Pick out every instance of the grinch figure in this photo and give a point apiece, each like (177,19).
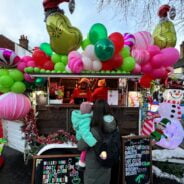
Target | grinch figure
(159,130)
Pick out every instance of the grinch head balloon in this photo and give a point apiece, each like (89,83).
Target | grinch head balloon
(63,37)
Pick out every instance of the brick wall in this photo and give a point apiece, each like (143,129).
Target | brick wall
(6,43)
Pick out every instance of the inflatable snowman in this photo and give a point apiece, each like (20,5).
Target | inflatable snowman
(168,132)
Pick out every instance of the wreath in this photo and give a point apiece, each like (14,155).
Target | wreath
(32,134)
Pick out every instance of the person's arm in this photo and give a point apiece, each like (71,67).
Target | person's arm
(87,136)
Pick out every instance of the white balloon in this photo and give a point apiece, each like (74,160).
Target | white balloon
(87,63)
(68,69)
(90,52)
(97,65)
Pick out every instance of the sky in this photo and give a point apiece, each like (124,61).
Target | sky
(26,17)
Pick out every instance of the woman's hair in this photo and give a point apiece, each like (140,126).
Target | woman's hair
(101,108)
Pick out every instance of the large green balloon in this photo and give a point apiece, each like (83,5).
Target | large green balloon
(6,81)
(56,58)
(46,48)
(125,52)
(3,72)
(97,32)
(128,64)
(104,49)
(18,87)
(4,90)
(85,43)
(16,75)
(64,59)
(59,67)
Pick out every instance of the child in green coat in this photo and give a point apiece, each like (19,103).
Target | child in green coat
(81,120)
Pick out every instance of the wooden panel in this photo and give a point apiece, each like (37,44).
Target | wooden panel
(52,118)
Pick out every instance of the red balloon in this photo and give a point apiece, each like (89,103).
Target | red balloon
(113,63)
(48,65)
(39,57)
(145,81)
(118,41)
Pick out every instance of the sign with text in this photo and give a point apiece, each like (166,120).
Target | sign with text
(136,160)
(56,169)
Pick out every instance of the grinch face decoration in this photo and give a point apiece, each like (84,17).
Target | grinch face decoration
(63,37)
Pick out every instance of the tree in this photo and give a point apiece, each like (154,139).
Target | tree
(145,11)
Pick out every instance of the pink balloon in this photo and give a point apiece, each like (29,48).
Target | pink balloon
(153,50)
(26,59)
(157,60)
(170,69)
(146,69)
(31,63)
(137,69)
(159,73)
(14,106)
(75,62)
(141,56)
(142,40)
(171,56)
(21,66)
(28,78)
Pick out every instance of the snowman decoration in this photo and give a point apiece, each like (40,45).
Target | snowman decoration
(168,132)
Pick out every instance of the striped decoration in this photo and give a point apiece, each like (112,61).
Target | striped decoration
(148,125)
(142,40)
(8,58)
(14,106)
(129,40)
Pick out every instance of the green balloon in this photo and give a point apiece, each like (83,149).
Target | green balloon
(128,64)
(18,87)
(6,81)
(56,58)
(3,89)
(29,70)
(125,52)
(3,72)
(85,43)
(64,59)
(42,71)
(46,48)
(37,70)
(59,67)
(16,75)
(40,81)
(97,32)
(104,49)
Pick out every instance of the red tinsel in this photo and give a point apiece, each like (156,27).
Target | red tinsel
(31,132)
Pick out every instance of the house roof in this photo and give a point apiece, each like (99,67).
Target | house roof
(180,63)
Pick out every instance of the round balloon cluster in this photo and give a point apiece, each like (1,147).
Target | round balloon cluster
(11,80)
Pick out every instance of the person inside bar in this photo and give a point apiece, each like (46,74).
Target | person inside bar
(82,92)
(101,91)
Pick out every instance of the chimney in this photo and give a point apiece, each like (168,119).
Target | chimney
(182,50)
(23,41)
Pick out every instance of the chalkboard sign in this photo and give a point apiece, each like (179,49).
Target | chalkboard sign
(56,169)
(136,160)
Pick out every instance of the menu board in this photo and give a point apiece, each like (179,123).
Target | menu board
(136,160)
(56,169)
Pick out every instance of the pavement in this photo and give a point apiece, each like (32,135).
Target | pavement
(16,172)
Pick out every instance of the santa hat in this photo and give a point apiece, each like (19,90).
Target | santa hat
(84,80)
(163,10)
(101,83)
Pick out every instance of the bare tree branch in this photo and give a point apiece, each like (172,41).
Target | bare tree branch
(145,11)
